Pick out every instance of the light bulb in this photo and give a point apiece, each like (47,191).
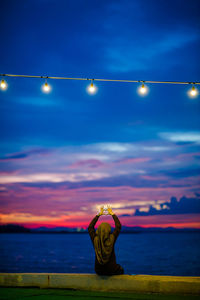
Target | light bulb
(3,84)
(193,92)
(46,87)
(143,90)
(92,88)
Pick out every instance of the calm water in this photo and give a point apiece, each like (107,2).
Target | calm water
(144,253)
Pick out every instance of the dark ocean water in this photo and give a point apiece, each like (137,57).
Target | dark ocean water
(142,253)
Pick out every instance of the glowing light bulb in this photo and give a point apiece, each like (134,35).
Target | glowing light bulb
(143,90)
(193,92)
(46,87)
(92,89)
(3,84)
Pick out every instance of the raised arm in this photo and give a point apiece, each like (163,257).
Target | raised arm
(91,229)
(118,226)
(117,223)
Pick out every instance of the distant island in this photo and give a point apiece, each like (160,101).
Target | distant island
(13,228)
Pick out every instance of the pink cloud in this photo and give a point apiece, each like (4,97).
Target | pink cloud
(91,163)
(154,177)
(178,221)
(188,155)
(79,204)
(133,160)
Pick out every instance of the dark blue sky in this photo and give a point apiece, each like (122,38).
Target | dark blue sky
(114,138)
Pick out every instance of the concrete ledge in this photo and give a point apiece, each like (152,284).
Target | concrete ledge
(92,282)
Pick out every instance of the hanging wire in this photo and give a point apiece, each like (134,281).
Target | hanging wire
(102,79)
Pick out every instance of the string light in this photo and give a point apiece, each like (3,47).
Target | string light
(46,87)
(143,90)
(193,92)
(3,85)
(92,89)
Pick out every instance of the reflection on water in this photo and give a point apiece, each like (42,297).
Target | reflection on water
(145,253)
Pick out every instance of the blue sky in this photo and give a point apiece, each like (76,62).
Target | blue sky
(115,146)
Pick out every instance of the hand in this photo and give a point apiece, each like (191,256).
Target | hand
(101,211)
(110,210)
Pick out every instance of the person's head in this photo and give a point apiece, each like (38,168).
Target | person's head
(103,243)
(104,230)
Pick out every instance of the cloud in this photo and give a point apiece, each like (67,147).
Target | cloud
(114,147)
(133,160)
(182,173)
(52,177)
(135,54)
(14,156)
(24,217)
(69,199)
(156,148)
(190,136)
(101,164)
(25,154)
(128,49)
(183,206)
(91,163)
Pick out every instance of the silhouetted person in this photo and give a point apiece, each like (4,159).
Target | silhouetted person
(103,241)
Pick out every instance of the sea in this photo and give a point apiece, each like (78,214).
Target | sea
(168,253)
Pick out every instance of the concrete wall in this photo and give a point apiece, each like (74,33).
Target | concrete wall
(92,282)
